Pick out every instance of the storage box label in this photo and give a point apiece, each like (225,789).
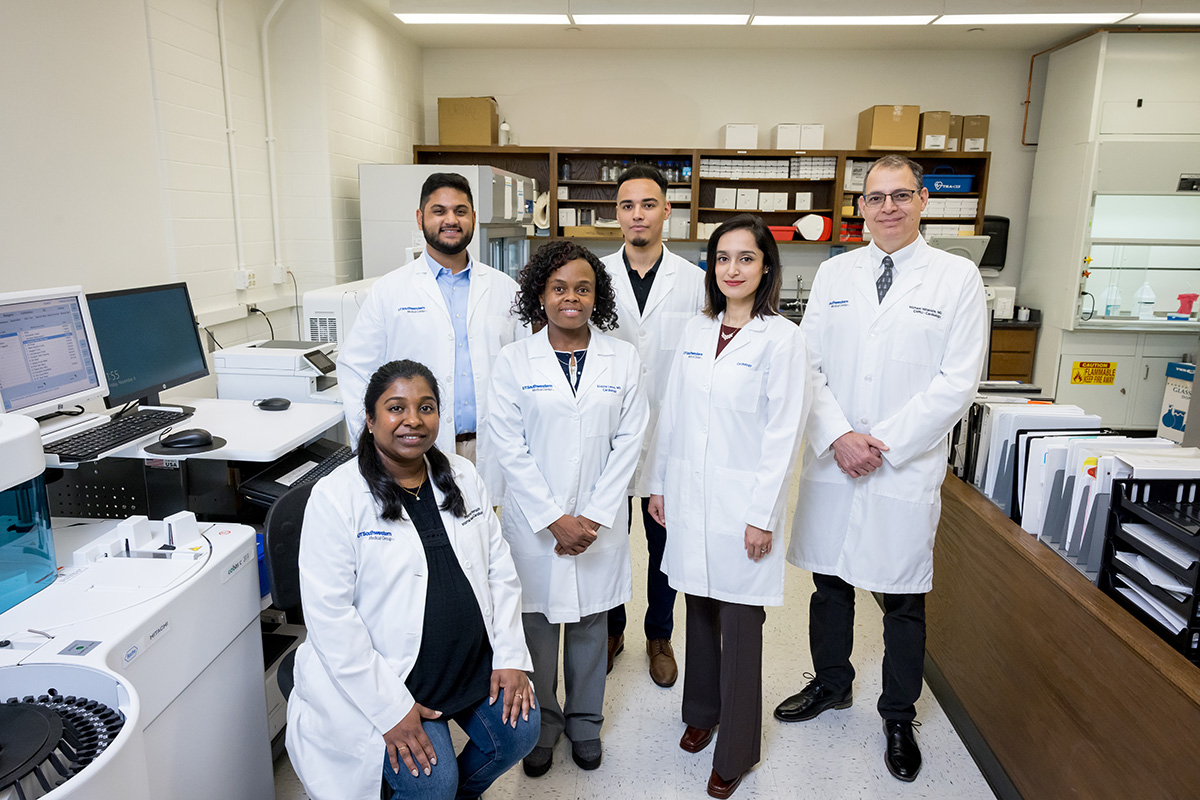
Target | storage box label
(1094,373)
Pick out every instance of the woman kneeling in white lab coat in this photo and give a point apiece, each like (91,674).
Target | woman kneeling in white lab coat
(412,605)
(567,414)
(723,452)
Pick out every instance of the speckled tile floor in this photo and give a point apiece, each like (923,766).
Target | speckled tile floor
(837,755)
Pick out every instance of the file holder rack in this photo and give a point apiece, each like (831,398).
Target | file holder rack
(1172,508)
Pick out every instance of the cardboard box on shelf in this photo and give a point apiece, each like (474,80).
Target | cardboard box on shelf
(739,136)
(568,216)
(803,201)
(812,136)
(975,133)
(935,130)
(468,120)
(725,197)
(1176,400)
(592,232)
(785,136)
(888,128)
(747,199)
(954,138)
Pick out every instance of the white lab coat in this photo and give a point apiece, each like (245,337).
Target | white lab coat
(566,454)
(724,453)
(676,296)
(363,584)
(405,316)
(904,371)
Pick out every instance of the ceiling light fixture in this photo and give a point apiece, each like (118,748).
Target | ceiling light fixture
(660,19)
(922,19)
(483,19)
(1029,19)
(1163,19)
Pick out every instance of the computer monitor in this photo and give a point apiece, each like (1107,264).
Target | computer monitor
(148,341)
(49,359)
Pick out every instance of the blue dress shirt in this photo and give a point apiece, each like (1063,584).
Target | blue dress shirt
(456,289)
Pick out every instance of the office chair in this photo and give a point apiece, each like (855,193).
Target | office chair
(281,539)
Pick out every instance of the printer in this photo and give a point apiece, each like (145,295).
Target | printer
(303,372)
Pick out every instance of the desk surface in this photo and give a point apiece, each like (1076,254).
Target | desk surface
(251,434)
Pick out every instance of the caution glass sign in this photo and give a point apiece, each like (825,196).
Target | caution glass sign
(1094,373)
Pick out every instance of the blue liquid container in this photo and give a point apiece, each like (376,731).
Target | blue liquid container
(27,562)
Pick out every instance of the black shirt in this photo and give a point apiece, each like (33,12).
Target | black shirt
(642,286)
(453,670)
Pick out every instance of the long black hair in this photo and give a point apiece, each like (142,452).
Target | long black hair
(766,296)
(536,274)
(383,486)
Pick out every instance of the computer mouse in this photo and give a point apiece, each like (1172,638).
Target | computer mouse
(273,404)
(192,437)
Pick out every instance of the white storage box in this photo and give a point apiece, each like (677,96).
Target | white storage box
(812,137)
(785,136)
(726,197)
(739,136)
(747,199)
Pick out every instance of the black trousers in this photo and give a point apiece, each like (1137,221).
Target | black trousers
(831,640)
(722,679)
(660,597)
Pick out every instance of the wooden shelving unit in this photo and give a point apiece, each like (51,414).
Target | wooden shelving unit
(587,192)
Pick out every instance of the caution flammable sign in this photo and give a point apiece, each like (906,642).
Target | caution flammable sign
(1094,373)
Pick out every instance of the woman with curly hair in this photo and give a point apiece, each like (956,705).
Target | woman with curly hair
(567,414)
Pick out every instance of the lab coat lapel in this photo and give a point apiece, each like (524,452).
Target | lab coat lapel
(622,288)
(595,365)
(863,279)
(481,284)
(544,360)
(662,282)
(742,337)
(905,283)
(427,285)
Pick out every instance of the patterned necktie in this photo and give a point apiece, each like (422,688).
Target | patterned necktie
(885,280)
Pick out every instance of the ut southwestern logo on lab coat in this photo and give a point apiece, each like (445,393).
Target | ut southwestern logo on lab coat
(537,387)
(376,536)
(839,303)
(411,309)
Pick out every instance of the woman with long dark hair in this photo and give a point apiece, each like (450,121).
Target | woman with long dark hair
(567,414)
(726,443)
(413,610)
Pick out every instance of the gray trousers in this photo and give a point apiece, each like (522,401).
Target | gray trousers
(585,653)
(722,679)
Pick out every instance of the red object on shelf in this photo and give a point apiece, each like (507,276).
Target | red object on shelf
(782,233)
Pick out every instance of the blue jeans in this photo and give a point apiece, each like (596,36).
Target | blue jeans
(493,748)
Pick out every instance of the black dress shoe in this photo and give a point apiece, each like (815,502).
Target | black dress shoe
(903,757)
(811,701)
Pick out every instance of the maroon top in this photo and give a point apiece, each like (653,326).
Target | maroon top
(726,337)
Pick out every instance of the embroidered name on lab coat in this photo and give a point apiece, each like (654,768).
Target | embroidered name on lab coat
(745,364)
(608,389)
(537,387)
(926,312)
(839,303)
(375,536)
(474,514)
(412,309)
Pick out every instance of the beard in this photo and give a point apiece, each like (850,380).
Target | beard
(640,241)
(434,240)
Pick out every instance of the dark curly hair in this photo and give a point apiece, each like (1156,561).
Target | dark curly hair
(535,275)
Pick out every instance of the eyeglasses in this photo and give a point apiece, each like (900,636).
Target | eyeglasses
(900,197)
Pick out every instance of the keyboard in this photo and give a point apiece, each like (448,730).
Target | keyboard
(94,442)
(325,466)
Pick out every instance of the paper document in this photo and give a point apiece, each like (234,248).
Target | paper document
(1155,574)
(1160,543)
(1145,601)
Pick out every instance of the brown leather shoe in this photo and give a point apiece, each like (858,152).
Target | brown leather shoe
(615,645)
(696,739)
(663,669)
(719,787)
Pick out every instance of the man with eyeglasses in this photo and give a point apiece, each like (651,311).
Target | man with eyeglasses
(897,332)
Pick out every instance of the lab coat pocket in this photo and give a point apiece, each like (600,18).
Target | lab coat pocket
(499,333)
(741,392)
(918,481)
(822,469)
(604,414)
(731,489)
(919,339)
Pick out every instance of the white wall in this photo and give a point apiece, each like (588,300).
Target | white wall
(680,98)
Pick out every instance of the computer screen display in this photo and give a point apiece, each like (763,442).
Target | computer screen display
(48,354)
(148,341)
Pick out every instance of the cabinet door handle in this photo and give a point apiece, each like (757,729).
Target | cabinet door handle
(1122,391)
(1146,377)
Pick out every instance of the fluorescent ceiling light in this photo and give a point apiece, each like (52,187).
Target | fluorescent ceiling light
(923,19)
(1029,19)
(1163,19)
(483,19)
(660,19)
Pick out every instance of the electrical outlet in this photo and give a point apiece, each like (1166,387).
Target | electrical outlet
(278,274)
(243,279)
